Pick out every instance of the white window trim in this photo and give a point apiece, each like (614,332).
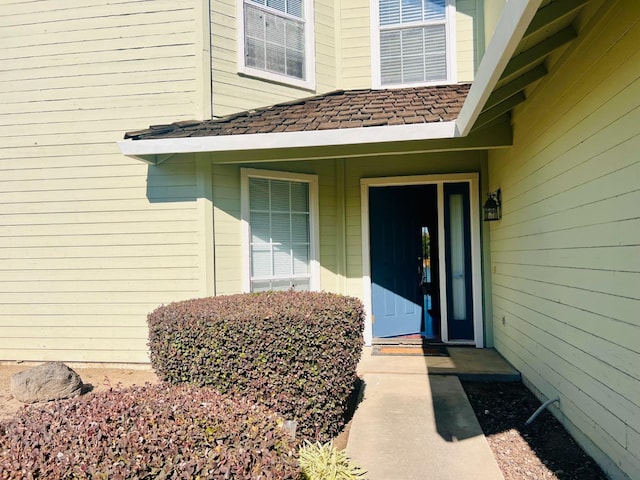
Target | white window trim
(309,82)
(314,221)
(450,26)
(476,273)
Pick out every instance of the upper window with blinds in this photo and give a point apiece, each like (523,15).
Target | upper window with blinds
(414,44)
(277,41)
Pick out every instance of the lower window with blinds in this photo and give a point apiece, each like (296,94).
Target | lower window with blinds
(279,218)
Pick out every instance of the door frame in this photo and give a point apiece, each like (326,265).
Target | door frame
(476,273)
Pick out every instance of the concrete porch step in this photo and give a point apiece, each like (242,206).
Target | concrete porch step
(467,363)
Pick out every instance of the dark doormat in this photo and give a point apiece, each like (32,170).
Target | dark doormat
(411,350)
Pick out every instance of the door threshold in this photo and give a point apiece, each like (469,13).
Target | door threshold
(461,343)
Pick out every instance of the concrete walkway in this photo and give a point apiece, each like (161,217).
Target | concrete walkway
(415,421)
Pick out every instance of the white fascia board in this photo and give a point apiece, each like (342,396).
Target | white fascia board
(317,138)
(513,22)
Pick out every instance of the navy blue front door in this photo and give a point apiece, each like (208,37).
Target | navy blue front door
(399,217)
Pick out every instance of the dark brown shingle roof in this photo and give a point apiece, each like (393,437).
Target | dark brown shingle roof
(335,110)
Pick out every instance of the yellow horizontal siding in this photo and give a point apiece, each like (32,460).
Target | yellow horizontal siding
(59,313)
(597,258)
(469,44)
(114,274)
(582,363)
(149,263)
(23,55)
(64,100)
(114,289)
(61,76)
(325,46)
(157,296)
(355,44)
(75,333)
(160,108)
(103,241)
(91,241)
(565,254)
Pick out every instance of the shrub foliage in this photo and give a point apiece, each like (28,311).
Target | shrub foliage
(295,352)
(159,431)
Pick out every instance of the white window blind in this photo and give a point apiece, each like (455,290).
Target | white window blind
(274,36)
(413,41)
(280,237)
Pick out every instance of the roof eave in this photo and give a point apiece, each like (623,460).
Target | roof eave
(156,150)
(511,27)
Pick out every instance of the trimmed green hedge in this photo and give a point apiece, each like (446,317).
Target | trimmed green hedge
(159,431)
(295,352)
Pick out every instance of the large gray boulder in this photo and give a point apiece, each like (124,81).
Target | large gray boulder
(49,381)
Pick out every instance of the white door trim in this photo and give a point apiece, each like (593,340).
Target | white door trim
(439,180)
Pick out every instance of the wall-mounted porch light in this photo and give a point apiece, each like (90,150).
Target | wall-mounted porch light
(492,207)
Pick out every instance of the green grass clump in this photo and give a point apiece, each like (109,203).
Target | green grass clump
(324,462)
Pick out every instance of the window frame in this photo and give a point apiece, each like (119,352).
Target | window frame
(314,221)
(450,39)
(309,82)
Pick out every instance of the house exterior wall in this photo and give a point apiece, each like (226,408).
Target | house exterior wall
(566,254)
(340,210)
(342,53)
(91,241)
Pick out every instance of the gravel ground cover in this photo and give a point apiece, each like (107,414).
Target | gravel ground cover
(543,450)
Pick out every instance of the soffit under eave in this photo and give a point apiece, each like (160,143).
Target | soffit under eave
(551,28)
